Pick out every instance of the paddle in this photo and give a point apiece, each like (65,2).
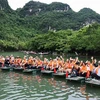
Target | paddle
(55,70)
(42,68)
(67,74)
(88,74)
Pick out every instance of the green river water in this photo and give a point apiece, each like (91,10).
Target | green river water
(19,86)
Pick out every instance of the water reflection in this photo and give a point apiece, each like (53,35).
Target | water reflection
(93,93)
(18,86)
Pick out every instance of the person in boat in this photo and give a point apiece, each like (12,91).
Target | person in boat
(77,61)
(96,72)
(55,65)
(90,66)
(2,59)
(50,64)
(45,63)
(24,62)
(94,62)
(30,62)
(83,70)
(60,64)
(12,60)
(7,61)
(39,63)
(75,70)
(68,66)
(34,65)
(18,61)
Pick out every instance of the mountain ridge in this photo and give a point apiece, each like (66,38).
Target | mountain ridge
(54,16)
(54,27)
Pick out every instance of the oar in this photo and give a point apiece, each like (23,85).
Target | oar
(55,70)
(67,74)
(88,74)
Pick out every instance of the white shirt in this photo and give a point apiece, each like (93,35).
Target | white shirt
(98,72)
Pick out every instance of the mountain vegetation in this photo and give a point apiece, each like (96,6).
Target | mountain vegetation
(51,27)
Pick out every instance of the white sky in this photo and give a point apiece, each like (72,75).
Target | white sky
(76,5)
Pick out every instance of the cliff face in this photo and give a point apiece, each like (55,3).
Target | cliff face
(4,5)
(36,8)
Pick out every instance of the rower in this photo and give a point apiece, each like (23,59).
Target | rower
(7,61)
(83,69)
(96,72)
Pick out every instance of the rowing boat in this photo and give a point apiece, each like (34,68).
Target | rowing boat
(28,71)
(5,68)
(77,78)
(93,82)
(48,72)
(36,70)
(18,69)
(59,74)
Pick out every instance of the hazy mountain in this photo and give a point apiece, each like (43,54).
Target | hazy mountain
(44,17)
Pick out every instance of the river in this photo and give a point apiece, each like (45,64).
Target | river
(19,86)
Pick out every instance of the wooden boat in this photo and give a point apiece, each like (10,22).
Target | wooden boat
(59,74)
(36,70)
(93,82)
(48,72)
(19,69)
(5,68)
(78,79)
(28,71)
(43,53)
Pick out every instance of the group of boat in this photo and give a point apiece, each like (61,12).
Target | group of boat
(35,53)
(71,69)
(54,74)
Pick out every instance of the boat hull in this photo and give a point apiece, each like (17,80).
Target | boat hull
(76,79)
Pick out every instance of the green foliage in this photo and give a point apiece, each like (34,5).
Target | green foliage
(49,27)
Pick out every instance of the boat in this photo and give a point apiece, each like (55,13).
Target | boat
(59,74)
(93,82)
(5,68)
(43,53)
(48,72)
(28,71)
(77,78)
(36,70)
(18,69)
(32,52)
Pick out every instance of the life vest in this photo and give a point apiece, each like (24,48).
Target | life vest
(91,67)
(30,61)
(50,63)
(39,63)
(55,64)
(45,62)
(83,68)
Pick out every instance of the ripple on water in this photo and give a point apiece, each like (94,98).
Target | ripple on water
(14,86)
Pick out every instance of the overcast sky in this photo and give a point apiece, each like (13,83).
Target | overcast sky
(76,5)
